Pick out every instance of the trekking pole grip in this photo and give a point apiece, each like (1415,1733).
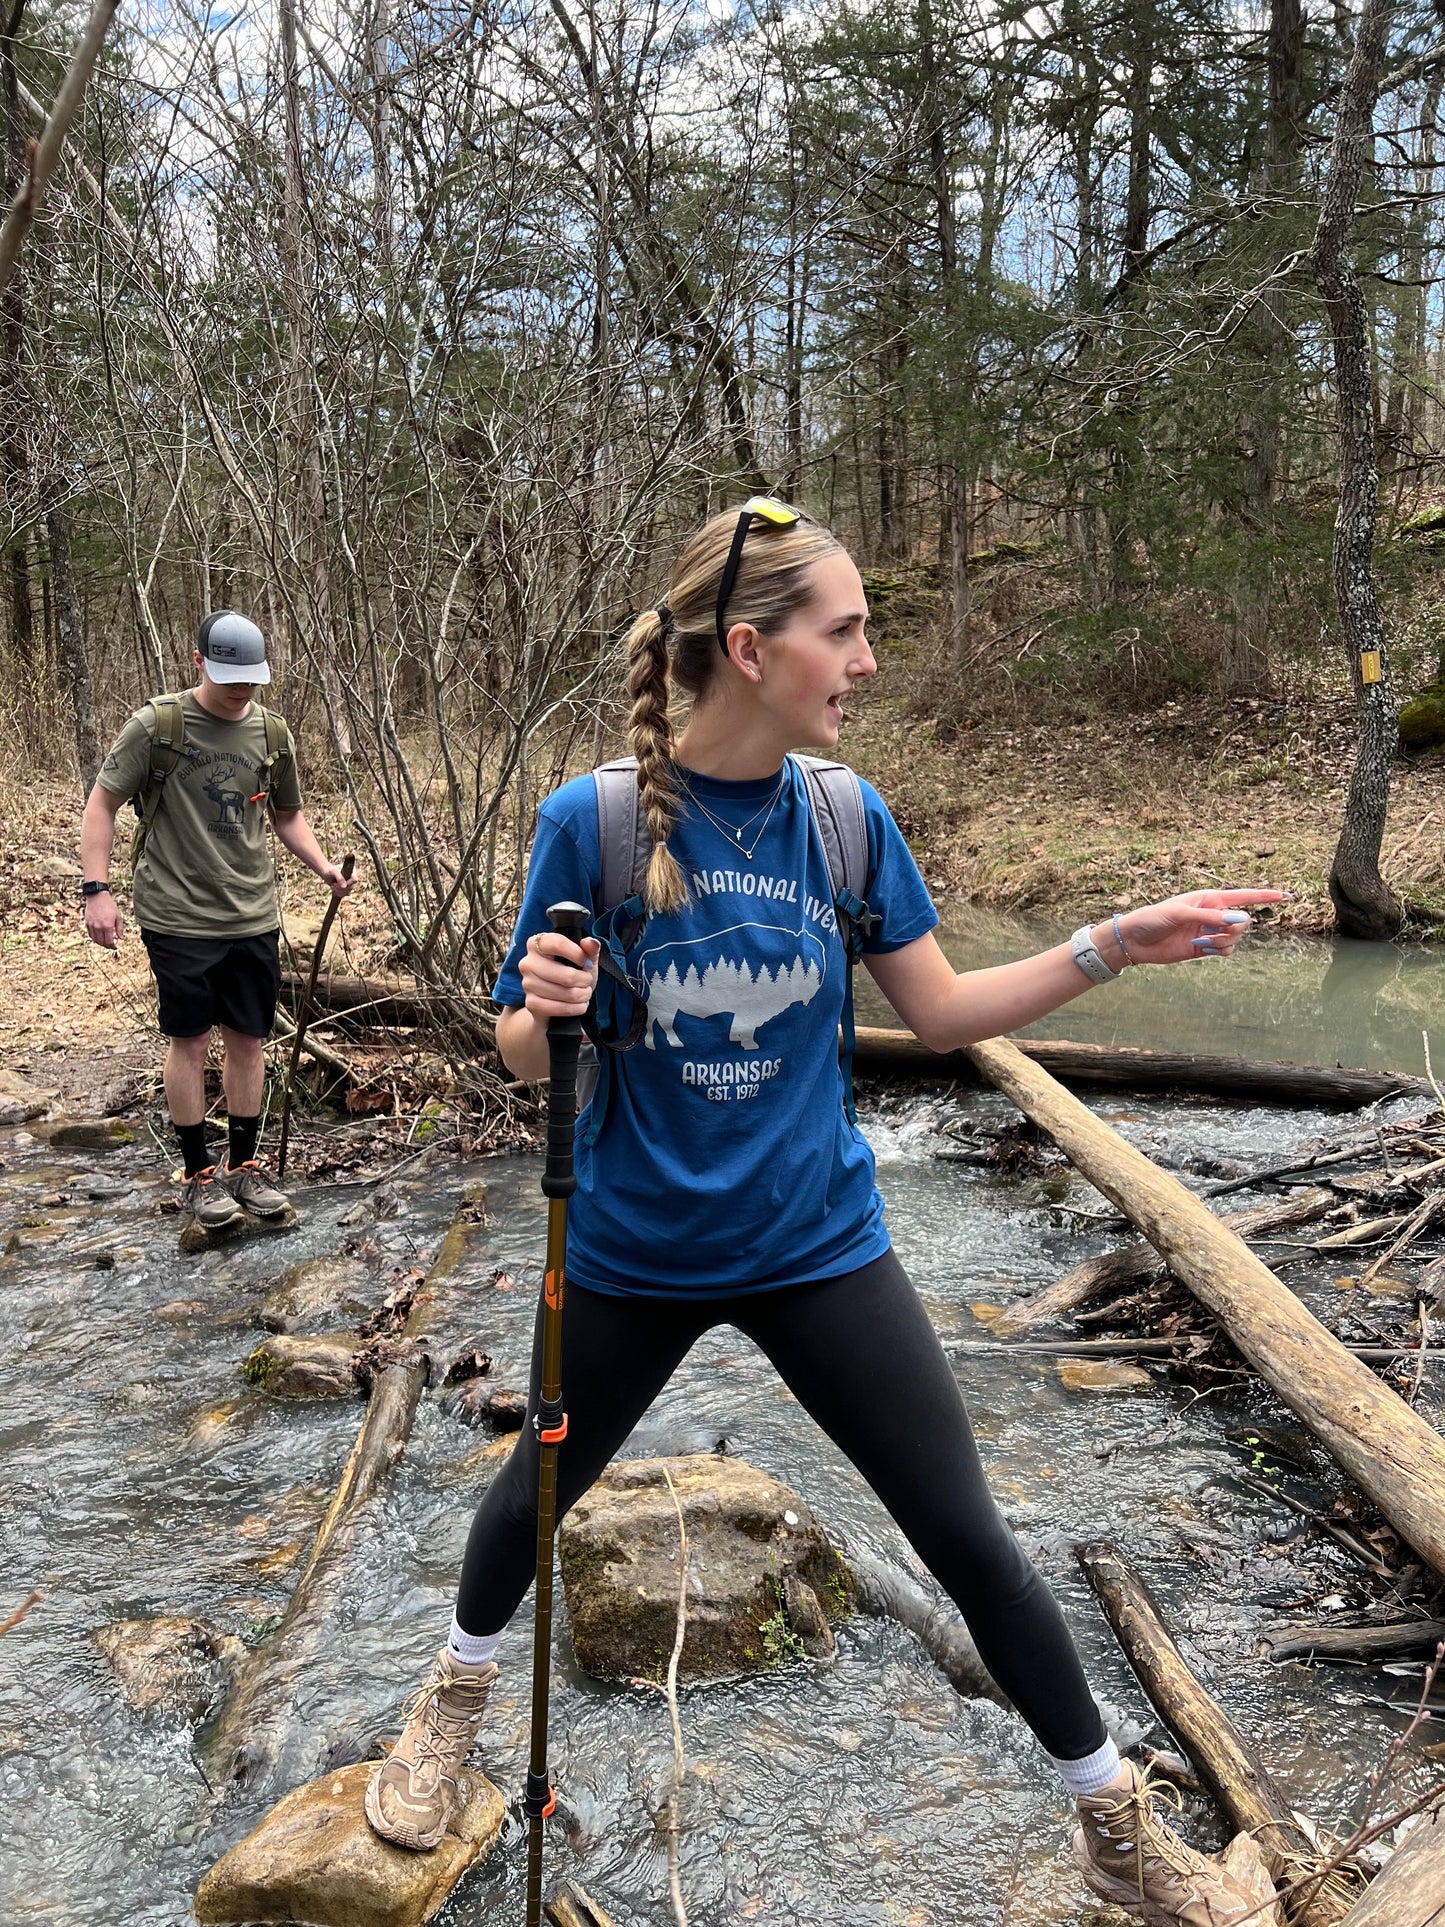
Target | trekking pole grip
(564,1042)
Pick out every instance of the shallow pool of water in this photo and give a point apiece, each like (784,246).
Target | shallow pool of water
(139,1474)
(1294,998)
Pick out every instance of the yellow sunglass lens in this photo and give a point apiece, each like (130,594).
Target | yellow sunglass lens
(771,510)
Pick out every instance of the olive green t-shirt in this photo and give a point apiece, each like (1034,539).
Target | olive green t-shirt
(205,870)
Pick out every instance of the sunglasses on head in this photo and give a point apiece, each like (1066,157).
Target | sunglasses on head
(763,508)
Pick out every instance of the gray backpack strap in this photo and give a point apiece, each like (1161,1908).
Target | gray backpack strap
(835,797)
(626,850)
(621,831)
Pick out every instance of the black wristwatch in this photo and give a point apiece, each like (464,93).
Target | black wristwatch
(93,889)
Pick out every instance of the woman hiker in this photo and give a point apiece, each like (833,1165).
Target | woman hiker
(727,1184)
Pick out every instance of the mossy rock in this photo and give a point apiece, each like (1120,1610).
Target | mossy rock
(764,1581)
(314,1367)
(1422,720)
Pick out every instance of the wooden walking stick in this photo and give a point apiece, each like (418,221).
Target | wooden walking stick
(303,1015)
(559,1181)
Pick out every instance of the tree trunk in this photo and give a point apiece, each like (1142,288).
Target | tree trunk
(71,638)
(297,292)
(1364,904)
(13,435)
(1396,1458)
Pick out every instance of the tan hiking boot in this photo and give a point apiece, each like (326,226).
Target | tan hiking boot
(1129,1855)
(413,1794)
(250,1187)
(208,1201)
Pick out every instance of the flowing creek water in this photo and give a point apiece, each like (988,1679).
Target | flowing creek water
(140,1474)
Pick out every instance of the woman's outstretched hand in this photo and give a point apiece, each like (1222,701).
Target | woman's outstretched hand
(1201,923)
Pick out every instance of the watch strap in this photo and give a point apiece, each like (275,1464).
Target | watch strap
(1085,954)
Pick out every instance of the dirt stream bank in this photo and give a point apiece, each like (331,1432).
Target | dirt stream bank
(1064,819)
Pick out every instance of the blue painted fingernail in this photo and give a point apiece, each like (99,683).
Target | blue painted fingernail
(1236,916)
(1204,945)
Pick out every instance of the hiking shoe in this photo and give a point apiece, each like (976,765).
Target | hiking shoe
(414,1793)
(249,1186)
(1129,1855)
(208,1201)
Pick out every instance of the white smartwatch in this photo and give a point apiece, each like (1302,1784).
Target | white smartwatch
(1085,954)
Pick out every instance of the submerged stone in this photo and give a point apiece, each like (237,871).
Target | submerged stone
(764,1581)
(170,1665)
(314,1860)
(1102,1375)
(316,1367)
(312,1292)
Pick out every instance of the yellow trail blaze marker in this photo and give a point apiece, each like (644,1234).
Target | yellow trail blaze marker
(1370,670)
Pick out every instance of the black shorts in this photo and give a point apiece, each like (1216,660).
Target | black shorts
(205,981)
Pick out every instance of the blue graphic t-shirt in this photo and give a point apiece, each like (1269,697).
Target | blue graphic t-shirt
(726,1162)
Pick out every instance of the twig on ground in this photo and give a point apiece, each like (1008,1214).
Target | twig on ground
(679,1758)
(1429,1073)
(20,1612)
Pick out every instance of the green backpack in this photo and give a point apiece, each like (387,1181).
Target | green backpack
(168,746)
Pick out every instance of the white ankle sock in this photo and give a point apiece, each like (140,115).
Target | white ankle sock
(472,1649)
(1092,1773)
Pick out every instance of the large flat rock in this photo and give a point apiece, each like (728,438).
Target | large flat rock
(764,1580)
(314,1861)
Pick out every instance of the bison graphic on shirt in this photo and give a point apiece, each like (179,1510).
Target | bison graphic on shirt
(727,988)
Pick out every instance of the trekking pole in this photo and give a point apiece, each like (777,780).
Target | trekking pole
(559,1181)
(303,1015)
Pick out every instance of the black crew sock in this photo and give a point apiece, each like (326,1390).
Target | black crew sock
(193,1147)
(244,1133)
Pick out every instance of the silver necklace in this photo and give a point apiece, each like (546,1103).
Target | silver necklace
(733,833)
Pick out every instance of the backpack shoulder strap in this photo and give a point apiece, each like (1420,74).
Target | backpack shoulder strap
(278,744)
(615,1024)
(621,831)
(168,745)
(835,797)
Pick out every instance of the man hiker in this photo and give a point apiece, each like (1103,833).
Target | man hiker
(202,768)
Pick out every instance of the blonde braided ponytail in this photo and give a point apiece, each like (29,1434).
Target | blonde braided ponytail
(650,730)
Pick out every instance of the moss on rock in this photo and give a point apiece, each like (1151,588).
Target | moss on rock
(1422,720)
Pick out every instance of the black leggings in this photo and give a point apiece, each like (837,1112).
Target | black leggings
(861,1357)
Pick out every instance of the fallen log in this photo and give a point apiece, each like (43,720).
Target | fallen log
(1150,1348)
(886,1591)
(1233,1772)
(245,1742)
(1097,1275)
(1411,1890)
(1396,1458)
(371,1000)
(1400,1639)
(572,1906)
(898,1053)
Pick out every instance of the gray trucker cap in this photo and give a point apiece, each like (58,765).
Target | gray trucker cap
(233,648)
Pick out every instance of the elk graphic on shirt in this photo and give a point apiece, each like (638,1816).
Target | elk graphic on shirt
(727,989)
(231,803)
